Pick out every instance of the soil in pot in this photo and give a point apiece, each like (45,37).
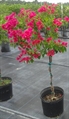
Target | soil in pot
(52,107)
(4,82)
(5,88)
(51,98)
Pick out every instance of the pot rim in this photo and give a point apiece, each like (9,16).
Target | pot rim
(48,88)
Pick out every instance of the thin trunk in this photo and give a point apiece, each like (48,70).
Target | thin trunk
(51,76)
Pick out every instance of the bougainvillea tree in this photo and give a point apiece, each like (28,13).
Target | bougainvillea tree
(36,33)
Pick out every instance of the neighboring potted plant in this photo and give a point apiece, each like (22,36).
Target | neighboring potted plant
(4,41)
(6,92)
(36,35)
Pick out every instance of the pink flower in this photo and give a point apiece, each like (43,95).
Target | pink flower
(42,9)
(23,51)
(31,23)
(36,55)
(36,41)
(39,36)
(56,29)
(39,24)
(50,52)
(11,16)
(64,44)
(66,19)
(15,34)
(48,28)
(10,24)
(24,59)
(22,12)
(27,33)
(57,22)
(49,39)
(32,14)
(52,10)
(59,40)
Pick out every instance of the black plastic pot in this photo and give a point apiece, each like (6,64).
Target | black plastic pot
(5,47)
(54,108)
(6,90)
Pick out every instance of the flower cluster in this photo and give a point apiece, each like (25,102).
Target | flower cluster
(35,33)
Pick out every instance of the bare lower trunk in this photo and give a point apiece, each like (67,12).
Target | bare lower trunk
(51,83)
